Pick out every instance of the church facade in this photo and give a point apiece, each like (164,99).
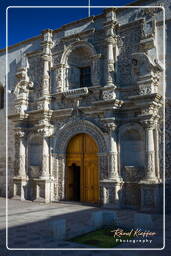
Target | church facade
(86,112)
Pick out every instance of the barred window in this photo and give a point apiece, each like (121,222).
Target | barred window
(85,76)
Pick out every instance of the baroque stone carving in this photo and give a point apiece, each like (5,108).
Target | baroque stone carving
(76,92)
(74,127)
(109,95)
(35,73)
(133,36)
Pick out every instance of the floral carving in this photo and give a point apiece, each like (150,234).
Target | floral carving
(109,95)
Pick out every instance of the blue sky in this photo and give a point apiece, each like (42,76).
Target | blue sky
(28,22)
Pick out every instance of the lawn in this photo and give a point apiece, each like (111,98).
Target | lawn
(102,238)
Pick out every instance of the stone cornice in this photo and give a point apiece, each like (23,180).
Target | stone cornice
(66,26)
(65,112)
(79,34)
(131,24)
(115,103)
(155,97)
(21,43)
(34,53)
(18,117)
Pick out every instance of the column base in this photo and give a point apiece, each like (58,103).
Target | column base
(111,193)
(20,188)
(42,189)
(151,180)
(150,194)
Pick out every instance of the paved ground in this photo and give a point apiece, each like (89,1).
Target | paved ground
(29,228)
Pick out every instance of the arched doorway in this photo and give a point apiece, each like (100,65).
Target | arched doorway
(82,177)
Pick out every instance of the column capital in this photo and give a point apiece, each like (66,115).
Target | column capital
(148,124)
(47,57)
(60,65)
(112,126)
(111,40)
(46,131)
(20,133)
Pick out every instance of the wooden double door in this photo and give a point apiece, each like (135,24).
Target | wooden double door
(82,177)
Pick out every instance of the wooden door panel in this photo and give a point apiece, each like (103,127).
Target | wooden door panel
(91,181)
(75,145)
(90,146)
(69,183)
(82,151)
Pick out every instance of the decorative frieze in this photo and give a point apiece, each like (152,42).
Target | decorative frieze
(131,34)
(145,73)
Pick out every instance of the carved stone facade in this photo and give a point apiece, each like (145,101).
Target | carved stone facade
(120,106)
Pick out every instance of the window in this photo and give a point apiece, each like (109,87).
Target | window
(85,76)
(1,97)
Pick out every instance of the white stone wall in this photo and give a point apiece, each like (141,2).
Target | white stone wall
(13,59)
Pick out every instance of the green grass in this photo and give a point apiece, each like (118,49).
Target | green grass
(102,238)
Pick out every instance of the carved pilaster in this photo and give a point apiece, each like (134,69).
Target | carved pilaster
(157,156)
(47,44)
(45,158)
(20,154)
(150,151)
(111,43)
(113,154)
(60,77)
(45,129)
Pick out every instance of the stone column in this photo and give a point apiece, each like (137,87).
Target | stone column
(110,61)
(47,44)
(61,178)
(156,132)
(45,158)
(113,154)
(45,82)
(150,151)
(21,152)
(20,179)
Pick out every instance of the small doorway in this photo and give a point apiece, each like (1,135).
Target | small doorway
(73,183)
